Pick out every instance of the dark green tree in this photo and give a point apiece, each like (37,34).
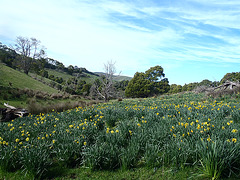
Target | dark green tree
(150,83)
(205,82)
(44,73)
(8,56)
(164,86)
(138,86)
(86,89)
(191,86)
(70,69)
(185,87)
(154,74)
(121,85)
(174,88)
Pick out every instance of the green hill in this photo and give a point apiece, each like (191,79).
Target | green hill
(116,77)
(88,77)
(20,80)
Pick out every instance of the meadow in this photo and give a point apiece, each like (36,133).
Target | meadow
(178,131)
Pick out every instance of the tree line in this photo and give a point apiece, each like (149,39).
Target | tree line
(28,55)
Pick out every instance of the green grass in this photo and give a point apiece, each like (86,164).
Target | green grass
(86,174)
(191,173)
(121,78)
(117,77)
(38,105)
(136,173)
(63,75)
(89,79)
(15,103)
(21,80)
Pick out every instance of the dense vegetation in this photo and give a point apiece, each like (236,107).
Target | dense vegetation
(78,81)
(71,79)
(189,130)
(148,84)
(75,80)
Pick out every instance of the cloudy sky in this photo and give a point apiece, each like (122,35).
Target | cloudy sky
(192,40)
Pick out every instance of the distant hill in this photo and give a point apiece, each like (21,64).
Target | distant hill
(116,77)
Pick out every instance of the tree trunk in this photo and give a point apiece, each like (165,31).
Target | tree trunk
(26,71)
(228,84)
(11,113)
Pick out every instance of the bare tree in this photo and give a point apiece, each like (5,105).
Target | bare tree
(228,84)
(30,50)
(103,87)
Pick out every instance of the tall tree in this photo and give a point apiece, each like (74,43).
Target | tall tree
(7,55)
(148,84)
(103,87)
(138,86)
(30,50)
(155,74)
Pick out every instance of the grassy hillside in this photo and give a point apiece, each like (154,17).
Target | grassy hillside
(21,80)
(116,78)
(121,78)
(89,77)
(56,73)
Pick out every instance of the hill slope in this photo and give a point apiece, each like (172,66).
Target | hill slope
(116,77)
(88,77)
(20,80)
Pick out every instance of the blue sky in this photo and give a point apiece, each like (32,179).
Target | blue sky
(192,40)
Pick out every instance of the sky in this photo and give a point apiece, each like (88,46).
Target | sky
(192,40)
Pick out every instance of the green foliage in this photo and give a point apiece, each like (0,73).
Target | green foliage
(174,131)
(154,74)
(7,56)
(148,84)
(218,157)
(205,82)
(138,86)
(52,72)
(234,76)
(121,85)
(174,88)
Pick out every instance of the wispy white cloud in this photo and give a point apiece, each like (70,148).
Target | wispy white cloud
(135,34)
(123,9)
